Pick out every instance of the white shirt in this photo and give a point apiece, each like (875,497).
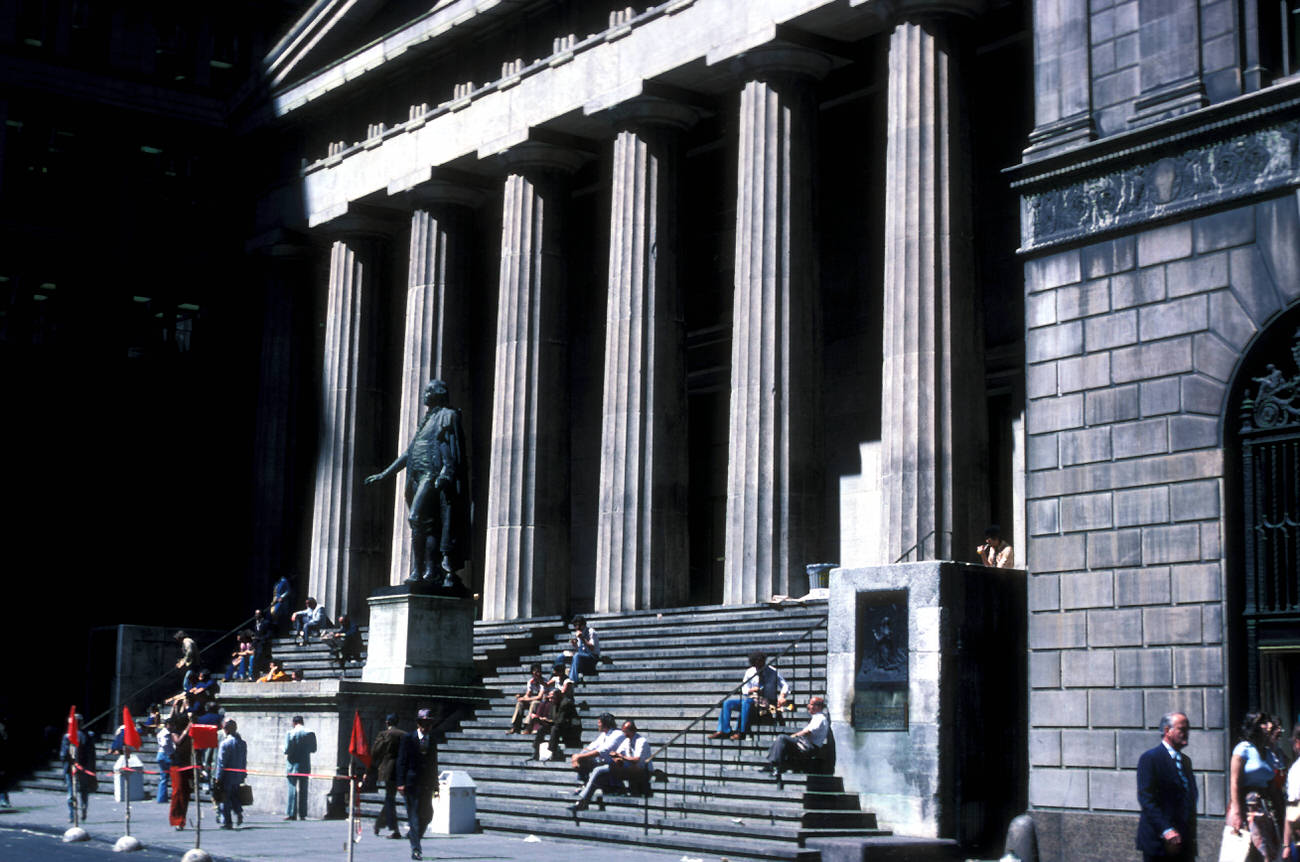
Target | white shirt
(1293,783)
(604,743)
(749,685)
(166,745)
(634,747)
(818,727)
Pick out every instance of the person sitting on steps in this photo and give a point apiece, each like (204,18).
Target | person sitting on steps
(801,746)
(585,647)
(761,688)
(309,621)
(533,693)
(598,751)
(628,762)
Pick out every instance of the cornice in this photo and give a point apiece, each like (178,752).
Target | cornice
(1234,150)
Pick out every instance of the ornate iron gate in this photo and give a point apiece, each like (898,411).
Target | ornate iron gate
(1270,461)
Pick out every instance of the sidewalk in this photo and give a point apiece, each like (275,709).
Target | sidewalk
(267,837)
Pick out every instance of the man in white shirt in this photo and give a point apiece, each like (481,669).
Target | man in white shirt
(308,621)
(804,744)
(597,752)
(762,687)
(629,760)
(1292,816)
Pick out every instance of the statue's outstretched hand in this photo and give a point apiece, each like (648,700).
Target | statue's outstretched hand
(377,477)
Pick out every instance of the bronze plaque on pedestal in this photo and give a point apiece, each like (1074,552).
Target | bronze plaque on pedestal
(880,684)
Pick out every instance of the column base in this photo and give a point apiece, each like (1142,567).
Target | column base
(419,636)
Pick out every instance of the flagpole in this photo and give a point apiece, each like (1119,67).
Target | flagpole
(352,826)
(198,797)
(76,787)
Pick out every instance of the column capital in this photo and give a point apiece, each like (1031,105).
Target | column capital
(540,156)
(441,185)
(363,222)
(652,112)
(440,193)
(913,10)
(782,59)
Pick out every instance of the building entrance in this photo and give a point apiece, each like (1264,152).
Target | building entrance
(1269,437)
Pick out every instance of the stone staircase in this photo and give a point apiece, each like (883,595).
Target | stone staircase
(668,668)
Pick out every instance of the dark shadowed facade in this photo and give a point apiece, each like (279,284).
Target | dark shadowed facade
(725,288)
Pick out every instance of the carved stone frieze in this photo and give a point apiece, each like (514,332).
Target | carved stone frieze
(1198,177)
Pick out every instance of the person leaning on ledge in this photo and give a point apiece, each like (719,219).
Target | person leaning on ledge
(1166,792)
(995,553)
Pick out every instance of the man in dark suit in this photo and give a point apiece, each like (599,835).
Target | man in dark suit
(1167,794)
(383,762)
(417,777)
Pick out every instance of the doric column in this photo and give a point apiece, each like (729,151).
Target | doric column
(774,487)
(348,532)
(641,531)
(434,345)
(932,419)
(526,563)
(286,271)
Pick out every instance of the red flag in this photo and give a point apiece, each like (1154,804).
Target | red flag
(130,735)
(358,744)
(74,735)
(203,736)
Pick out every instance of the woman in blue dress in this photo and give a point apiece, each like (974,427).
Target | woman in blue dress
(1254,779)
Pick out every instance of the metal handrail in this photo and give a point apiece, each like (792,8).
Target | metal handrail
(667,746)
(917,546)
(153,682)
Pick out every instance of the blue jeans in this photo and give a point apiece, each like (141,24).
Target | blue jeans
(746,711)
(297,797)
(582,661)
(165,779)
(238,669)
(230,797)
(81,791)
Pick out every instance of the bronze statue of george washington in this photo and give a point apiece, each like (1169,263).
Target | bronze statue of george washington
(436,491)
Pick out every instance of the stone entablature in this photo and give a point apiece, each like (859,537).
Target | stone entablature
(1213,162)
(589,76)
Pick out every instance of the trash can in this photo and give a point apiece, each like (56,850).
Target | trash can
(455,811)
(128,785)
(819,575)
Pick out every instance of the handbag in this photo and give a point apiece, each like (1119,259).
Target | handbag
(245,794)
(1234,846)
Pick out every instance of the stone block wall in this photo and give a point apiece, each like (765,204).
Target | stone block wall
(1132,344)
(1105,67)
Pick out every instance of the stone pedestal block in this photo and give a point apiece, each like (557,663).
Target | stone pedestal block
(417,638)
(948,639)
(265,714)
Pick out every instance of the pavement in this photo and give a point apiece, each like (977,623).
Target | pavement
(31,831)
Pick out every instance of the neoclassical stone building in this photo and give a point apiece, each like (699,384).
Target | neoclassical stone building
(725,288)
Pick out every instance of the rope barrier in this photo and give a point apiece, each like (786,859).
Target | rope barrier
(315,775)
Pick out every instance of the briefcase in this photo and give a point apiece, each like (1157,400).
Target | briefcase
(245,794)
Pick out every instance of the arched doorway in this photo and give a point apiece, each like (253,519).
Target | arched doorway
(1264,601)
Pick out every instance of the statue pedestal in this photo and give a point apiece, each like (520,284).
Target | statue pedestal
(927,666)
(418,637)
